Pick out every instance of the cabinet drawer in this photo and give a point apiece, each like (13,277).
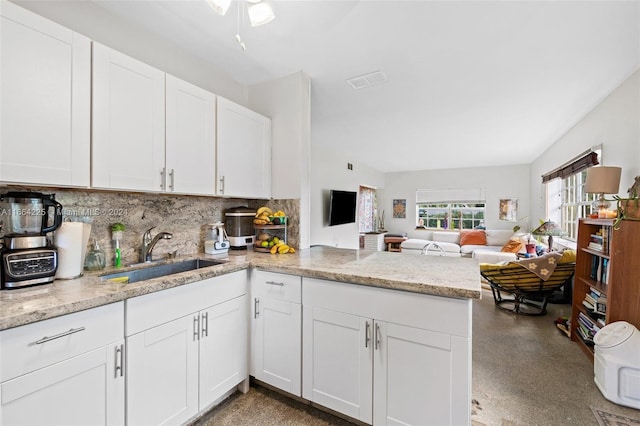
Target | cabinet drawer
(151,310)
(276,286)
(33,346)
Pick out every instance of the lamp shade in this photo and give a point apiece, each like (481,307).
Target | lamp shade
(548,228)
(603,180)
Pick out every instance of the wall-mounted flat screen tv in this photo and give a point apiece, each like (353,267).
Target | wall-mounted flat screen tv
(342,207)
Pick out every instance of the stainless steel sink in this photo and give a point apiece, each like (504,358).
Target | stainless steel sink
(161,270)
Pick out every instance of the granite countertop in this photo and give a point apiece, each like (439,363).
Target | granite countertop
(435,275)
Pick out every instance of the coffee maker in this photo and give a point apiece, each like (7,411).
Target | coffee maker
(27,256)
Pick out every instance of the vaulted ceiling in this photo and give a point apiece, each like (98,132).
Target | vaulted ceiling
(469,83)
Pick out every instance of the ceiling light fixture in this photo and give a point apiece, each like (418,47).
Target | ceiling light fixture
(259,11)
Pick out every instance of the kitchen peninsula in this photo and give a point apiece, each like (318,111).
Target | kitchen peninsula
(397,328)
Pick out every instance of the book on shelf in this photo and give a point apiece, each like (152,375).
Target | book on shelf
(589,298)
(601,305)
(595,246)
(600,240)
(587,327)
(599,269)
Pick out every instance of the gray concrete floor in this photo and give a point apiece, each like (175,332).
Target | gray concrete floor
(525,372)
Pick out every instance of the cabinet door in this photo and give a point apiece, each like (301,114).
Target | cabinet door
(84,390)
(162,371)
(45,100)
(128,122)
(244,151)
(420,377)
(337,362)
(223,349)
(190,143)
(276,344)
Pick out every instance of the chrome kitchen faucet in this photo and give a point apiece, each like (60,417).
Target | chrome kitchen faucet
(149,243)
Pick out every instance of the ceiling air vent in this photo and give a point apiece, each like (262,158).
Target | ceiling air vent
(367,80)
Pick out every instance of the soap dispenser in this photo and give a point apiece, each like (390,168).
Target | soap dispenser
(95,259)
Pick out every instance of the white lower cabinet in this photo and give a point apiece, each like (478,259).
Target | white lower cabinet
(338,362)
(387,357)
(223,349)
(162,374)
(276,335)
(84,390)
(65,371)
(186,348)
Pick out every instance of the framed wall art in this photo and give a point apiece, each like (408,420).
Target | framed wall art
(400,209)
(508,210)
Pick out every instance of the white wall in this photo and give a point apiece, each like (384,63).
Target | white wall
(614,123)
(287,101)
(329,171)
(111,31)
(498,182)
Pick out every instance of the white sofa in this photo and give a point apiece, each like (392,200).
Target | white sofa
(449,242)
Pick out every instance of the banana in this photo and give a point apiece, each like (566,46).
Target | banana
(292,250)
(264,209)
(274,250)
(283,248)
(260,221)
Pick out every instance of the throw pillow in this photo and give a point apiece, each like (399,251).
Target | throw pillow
(514,245)
(524,239)
(475,237)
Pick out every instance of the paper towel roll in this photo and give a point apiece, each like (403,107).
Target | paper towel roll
(71,240)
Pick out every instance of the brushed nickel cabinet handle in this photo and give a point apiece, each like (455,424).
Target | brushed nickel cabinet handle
(221,184)
(196,328)
(256,303)
(119,359)
(172,175)
(205,324)
(57,336)
(377,336)
(367,337)
(275,283)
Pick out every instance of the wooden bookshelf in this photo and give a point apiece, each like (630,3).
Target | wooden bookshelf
(613,272)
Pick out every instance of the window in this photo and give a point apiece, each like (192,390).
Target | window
(567,201)
(458,215)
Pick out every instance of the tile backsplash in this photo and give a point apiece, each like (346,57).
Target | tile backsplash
(184,216)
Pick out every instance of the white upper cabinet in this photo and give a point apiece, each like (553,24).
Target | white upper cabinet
(128,122)
(190,143)
(45,100)
(244,152)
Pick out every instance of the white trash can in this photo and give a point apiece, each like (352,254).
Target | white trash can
(617,363)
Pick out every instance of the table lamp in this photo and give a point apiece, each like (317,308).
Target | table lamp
(549,229)
(602,180)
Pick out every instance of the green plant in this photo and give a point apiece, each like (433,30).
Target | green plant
(628,208)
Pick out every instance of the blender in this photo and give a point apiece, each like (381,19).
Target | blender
(27,256)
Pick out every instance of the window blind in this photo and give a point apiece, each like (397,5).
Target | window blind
(583,162)
(431,196)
